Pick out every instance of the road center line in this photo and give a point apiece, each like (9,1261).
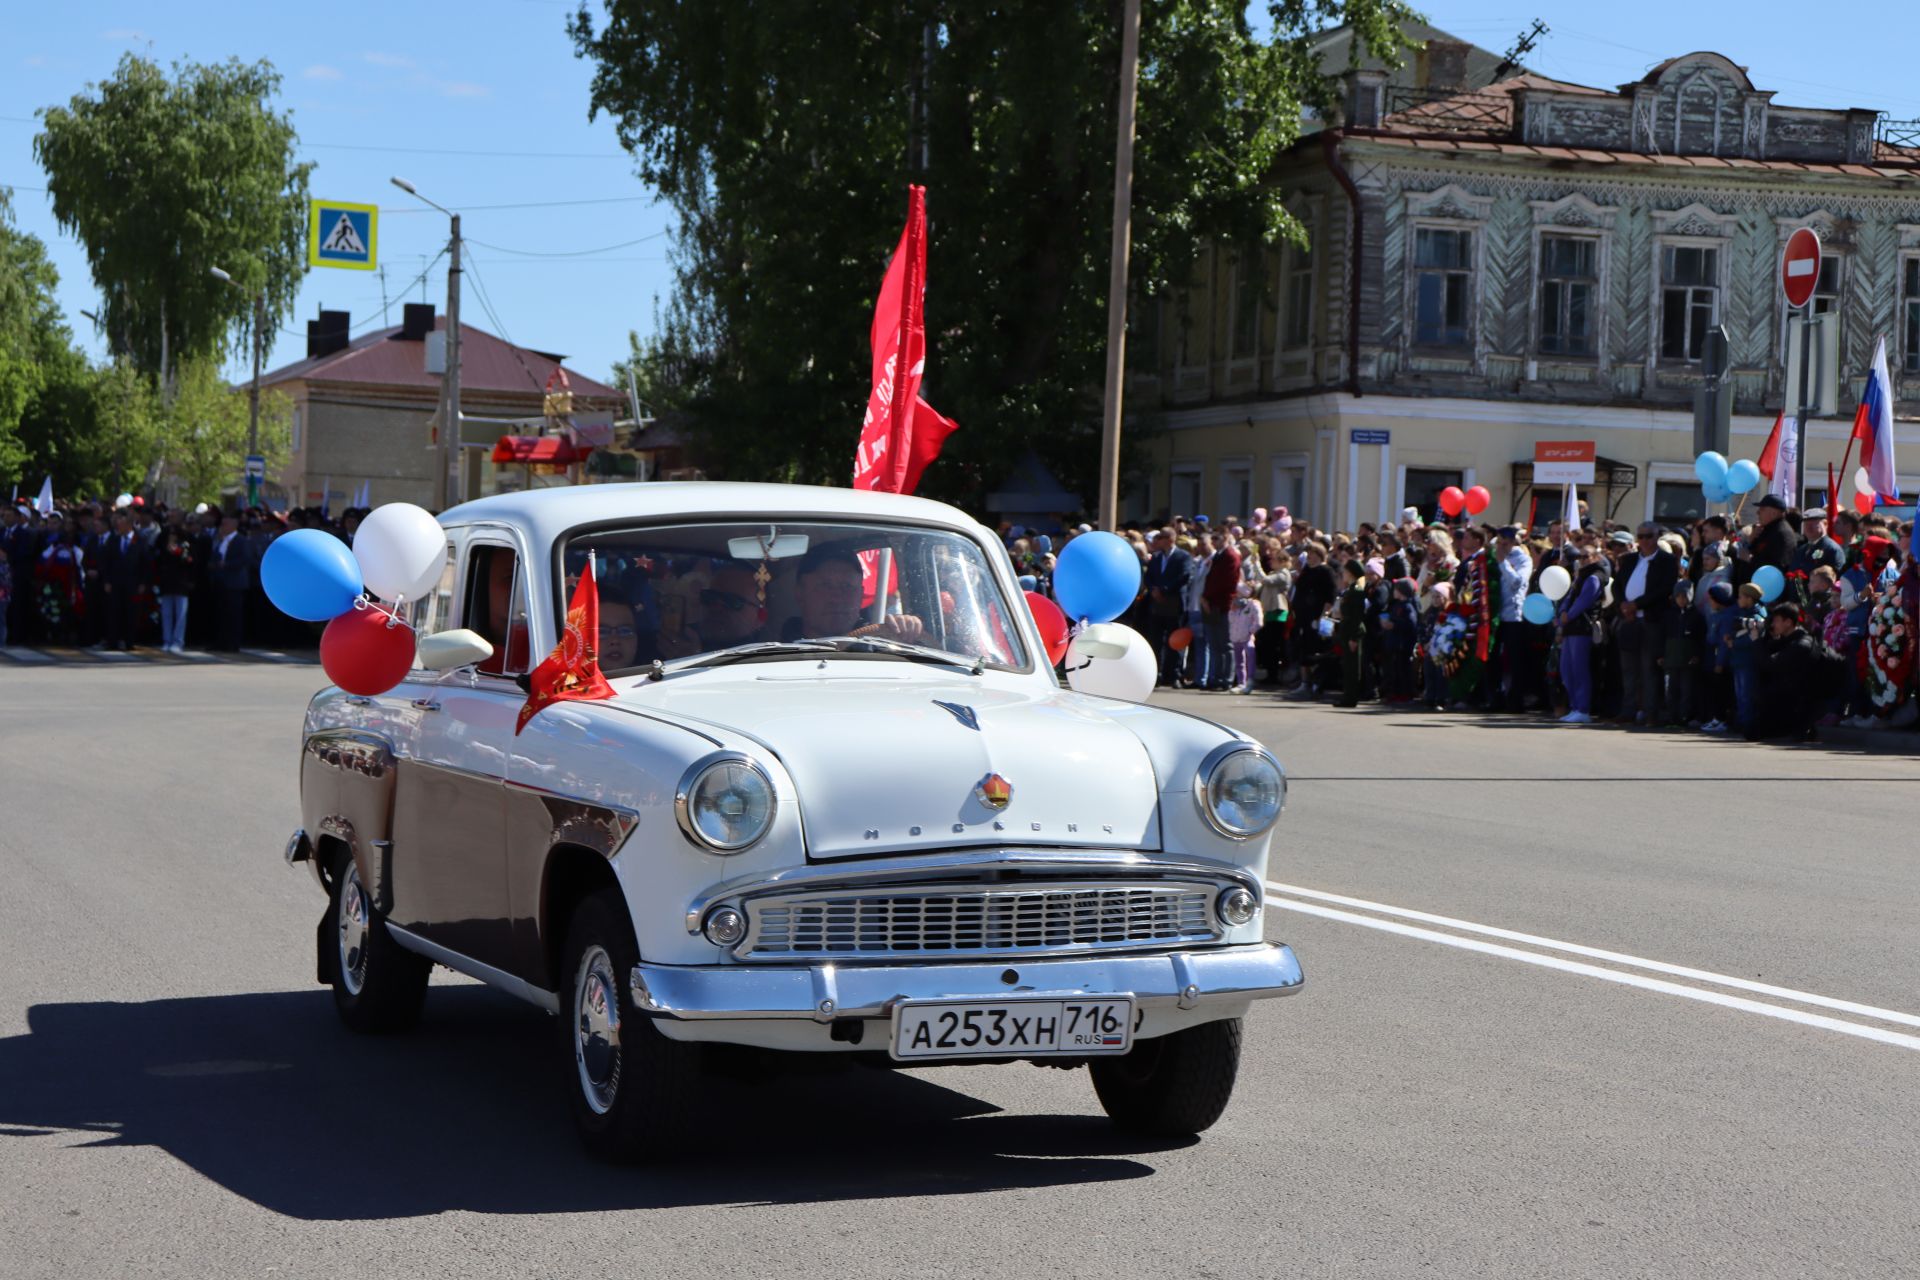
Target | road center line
(1612,957)
(1880,1034)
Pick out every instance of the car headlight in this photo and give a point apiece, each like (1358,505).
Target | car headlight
(725,802)
(1241,790)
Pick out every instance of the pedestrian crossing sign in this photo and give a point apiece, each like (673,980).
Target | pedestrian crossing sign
(342,235)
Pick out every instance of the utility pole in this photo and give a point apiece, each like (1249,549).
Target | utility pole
(449,434)
(253,397)
(450,429)
(1117,280)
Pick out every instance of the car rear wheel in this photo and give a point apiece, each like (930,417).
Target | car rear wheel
(1172,1085)
(378,985)
(630,1088)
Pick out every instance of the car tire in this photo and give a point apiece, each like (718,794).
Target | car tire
(378,985)
(1172,1085)
(630,1088)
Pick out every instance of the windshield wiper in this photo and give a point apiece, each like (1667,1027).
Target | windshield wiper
(743,652)
(901,648)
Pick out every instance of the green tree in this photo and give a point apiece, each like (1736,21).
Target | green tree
(30,330)
(784,133)
(203,438)
(162,180)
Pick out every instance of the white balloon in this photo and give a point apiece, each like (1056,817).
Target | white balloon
(126,499)
(1862,481)
(1129,677)
(402,551)
(1555,582)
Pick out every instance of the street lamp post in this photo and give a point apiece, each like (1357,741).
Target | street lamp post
(450,417)
(253,391)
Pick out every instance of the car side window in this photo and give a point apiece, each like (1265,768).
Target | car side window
(496,606)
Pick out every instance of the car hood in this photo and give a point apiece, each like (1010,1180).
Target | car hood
(889,762)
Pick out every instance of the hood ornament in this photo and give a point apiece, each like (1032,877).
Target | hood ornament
(994,791)
(965,714)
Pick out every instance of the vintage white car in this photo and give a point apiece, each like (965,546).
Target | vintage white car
(840,803)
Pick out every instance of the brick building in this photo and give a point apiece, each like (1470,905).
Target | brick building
(364,409)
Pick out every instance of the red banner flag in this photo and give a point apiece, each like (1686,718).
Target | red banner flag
(1770,456)
(572,671)
(901,433)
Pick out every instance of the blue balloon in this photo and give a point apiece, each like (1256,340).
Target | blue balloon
(1097,577)
(310,575)
(1711,467)
(1538,610)
(1043,544)
(1716,491)
(1770,581)
(1029,583)
(1742,476)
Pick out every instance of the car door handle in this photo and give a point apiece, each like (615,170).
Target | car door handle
(425,704)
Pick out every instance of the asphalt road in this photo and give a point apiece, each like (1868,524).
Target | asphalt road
(176,1097)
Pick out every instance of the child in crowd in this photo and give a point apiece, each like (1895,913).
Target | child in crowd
(1243,624)
(1399,629)
(1686,638)
(1743,648)
(1630,635)
(1716,666)
(1439,598)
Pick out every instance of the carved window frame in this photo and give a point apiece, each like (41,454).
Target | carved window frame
(1694,227)
(1574,216)
(1907,362)
(1451,208)
(1288,266)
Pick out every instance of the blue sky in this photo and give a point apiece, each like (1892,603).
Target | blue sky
(406,87)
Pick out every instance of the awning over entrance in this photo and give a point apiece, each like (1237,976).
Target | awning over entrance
(1615,479)
(537,451)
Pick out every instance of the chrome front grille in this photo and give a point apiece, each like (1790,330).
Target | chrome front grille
(970,921)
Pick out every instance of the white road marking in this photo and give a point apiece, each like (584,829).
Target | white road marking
(1880,1034)
(1612,957)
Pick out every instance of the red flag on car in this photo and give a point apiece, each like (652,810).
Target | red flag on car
(901,433)
(572,671)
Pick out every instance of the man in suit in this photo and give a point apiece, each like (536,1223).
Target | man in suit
(1774,540)
(1647,577)
(125,564)
(230,572)
(1168,570)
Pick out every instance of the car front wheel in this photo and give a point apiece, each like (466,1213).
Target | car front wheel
(378,985)
(630,1088)
(1172,1085)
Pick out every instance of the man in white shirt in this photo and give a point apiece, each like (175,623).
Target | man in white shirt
(1515,571)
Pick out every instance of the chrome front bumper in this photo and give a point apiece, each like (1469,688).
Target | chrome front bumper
(1182,979)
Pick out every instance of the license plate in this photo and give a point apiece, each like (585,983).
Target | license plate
(1022,1028)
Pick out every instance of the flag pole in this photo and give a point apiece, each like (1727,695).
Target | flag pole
(1117,279)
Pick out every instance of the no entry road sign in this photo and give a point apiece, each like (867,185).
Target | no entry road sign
(1800,266)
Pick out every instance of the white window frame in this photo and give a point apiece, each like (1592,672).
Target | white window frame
(1240,277)
(1575,216)
(1909,334)
(1238,463)
(1694,227)
(1279,462)
(1451,208)
(1471,272)
(1176,472)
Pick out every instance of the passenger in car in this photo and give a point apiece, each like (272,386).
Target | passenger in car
(730,608)
(619,640)
(829,589)
(508,639)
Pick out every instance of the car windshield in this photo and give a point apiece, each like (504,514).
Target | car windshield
(678,591)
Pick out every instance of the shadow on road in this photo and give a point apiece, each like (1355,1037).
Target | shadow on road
(269,1097)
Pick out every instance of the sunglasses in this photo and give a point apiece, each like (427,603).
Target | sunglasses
(622,632)
(723,599)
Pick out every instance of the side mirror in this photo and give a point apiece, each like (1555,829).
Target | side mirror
(1102,640)
(445,650)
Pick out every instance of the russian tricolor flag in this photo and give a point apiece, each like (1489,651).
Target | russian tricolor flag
(1873,427)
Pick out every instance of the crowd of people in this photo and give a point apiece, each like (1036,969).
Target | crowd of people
(1654,627)
(104,576)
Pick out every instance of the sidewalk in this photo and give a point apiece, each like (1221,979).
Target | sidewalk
(50,655)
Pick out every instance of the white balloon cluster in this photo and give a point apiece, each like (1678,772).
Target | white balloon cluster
(402,551)
(1112,660)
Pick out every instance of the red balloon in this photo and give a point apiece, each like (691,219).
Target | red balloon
(363,655)
(1863,501)
(1478,499)
(1452,500)
(1180,639)
(1052,623)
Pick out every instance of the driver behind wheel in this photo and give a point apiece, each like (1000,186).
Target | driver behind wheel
(828,586)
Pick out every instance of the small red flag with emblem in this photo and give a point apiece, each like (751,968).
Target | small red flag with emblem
(572,671)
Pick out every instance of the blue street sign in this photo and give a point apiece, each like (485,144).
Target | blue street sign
(1372,437)
(342,235)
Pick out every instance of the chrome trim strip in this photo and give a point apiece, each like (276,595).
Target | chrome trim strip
(929,868)
(1204,774)
(1185,980)
(499,979)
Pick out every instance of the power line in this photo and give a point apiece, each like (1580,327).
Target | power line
(455,151)
(565,253)
(532,204)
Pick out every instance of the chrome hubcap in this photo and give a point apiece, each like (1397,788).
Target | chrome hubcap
(353,932)
(596,1030)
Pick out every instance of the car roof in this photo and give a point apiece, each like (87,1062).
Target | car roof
(546,514)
